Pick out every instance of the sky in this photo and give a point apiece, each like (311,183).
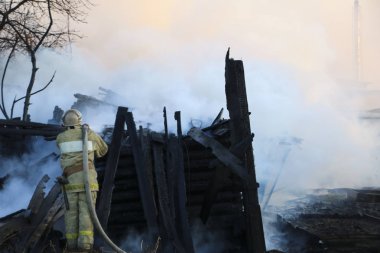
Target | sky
(298,63)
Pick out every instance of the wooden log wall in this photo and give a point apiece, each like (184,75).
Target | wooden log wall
(199,167)
(216,166)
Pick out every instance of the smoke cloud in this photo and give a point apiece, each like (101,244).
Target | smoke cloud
(24,174)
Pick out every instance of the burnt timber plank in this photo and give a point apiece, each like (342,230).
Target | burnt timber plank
(38,195)
(146,191)
(168,229)
(105,198)
(221,152)
(39,132)
(183,227)
(38,220)
(237,105)
(25,124)
(220,178)
(147,151)
(169,167)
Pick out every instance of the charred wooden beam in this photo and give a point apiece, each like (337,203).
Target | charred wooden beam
(147,154)
(146,191)
(27,124)
(237,105)
(38,195)
(41,221)
(222,153)
(105,198)
(183,227)
(169,167)
(168,231)
(34,132)
(220,178)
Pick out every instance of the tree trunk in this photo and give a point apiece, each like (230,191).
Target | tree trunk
(30,86)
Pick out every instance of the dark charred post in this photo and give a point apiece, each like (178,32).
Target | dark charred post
(145,141)
(165,124)
(172,172)
(183,227)
(104,204)
(169,233)
(38,195)
(146,192)
(28,132)
(237,105)
(169,166)
(21,128)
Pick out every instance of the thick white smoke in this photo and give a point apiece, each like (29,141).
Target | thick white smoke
(24,174)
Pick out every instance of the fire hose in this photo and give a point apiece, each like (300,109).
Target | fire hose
(89,200)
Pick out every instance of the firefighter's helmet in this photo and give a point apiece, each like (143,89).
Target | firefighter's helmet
(72,117)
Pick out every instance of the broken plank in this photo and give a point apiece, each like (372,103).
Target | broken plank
(38,195)
(237,105)
(180,196)
(105,198)
(169,230)
(221,152)
(38,218)
(146,192)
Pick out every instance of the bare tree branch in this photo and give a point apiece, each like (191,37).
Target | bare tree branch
(34,93)
(48,28)
(37,24)
(6,14)
(13,105)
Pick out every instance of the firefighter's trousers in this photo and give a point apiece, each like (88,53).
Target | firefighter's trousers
(79,227)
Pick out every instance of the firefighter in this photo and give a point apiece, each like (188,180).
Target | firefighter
(79,227)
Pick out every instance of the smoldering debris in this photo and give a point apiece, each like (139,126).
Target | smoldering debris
(31,229)
(328,220)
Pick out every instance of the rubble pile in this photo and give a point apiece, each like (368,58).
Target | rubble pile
(331,220)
